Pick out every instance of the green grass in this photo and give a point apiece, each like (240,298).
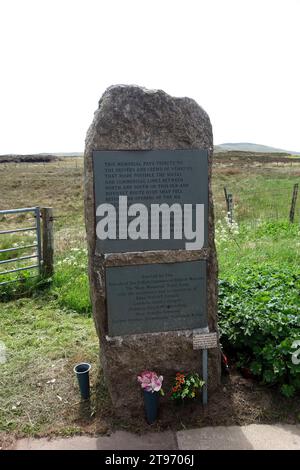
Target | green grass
(51,329)
(48,333)
(274,243)
(70,282)
(13,241)
(38,390)
(259,194)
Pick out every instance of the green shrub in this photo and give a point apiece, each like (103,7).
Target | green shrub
(259,319)
(277,229)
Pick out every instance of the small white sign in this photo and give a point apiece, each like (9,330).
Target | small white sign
(205,341)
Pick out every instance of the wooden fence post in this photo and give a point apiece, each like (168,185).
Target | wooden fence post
(226,196)
(229,205)
(293,203)
(47,241)
(230,208)
(228,200)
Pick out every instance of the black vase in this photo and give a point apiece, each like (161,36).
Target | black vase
(82,372)
(151,401)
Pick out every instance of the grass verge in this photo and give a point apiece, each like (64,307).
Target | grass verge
(38,390)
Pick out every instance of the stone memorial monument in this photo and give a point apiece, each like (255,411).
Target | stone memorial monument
(153,279)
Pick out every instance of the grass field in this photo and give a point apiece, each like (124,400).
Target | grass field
(51,329)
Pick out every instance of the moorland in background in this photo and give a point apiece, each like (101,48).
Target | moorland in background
(48,328)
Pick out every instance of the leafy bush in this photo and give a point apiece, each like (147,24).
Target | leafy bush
(259,318)
(277,229)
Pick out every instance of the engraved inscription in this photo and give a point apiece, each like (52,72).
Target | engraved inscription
(205,341)
(149,177)
(156,297)
(146,180)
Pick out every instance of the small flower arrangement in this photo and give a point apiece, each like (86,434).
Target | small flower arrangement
(186,386)
(150,381)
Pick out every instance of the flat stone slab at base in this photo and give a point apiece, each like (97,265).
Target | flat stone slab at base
(252,437)
(119,440)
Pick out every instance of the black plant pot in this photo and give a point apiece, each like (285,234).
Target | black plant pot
(151,401)
(82,372)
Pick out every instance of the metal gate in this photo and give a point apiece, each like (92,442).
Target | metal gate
(36,245)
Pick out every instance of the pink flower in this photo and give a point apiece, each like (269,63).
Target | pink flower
(150,381)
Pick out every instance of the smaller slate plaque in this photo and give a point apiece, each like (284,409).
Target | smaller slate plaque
(205,341)
(156,297)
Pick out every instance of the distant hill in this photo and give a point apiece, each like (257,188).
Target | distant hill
(37,157)
(69,154)
(34,158)
(248,147)
(237,150)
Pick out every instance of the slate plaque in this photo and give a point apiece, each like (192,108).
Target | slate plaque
(156,297)
(150,177)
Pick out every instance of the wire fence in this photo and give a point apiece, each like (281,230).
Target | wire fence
(253,207)
(246,207)
(259,192)
(71,162)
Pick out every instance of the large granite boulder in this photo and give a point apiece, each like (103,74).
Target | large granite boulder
(134,118)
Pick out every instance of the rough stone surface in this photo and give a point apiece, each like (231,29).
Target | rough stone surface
(134,118)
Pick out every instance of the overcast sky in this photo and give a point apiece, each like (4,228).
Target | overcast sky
(239,59)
